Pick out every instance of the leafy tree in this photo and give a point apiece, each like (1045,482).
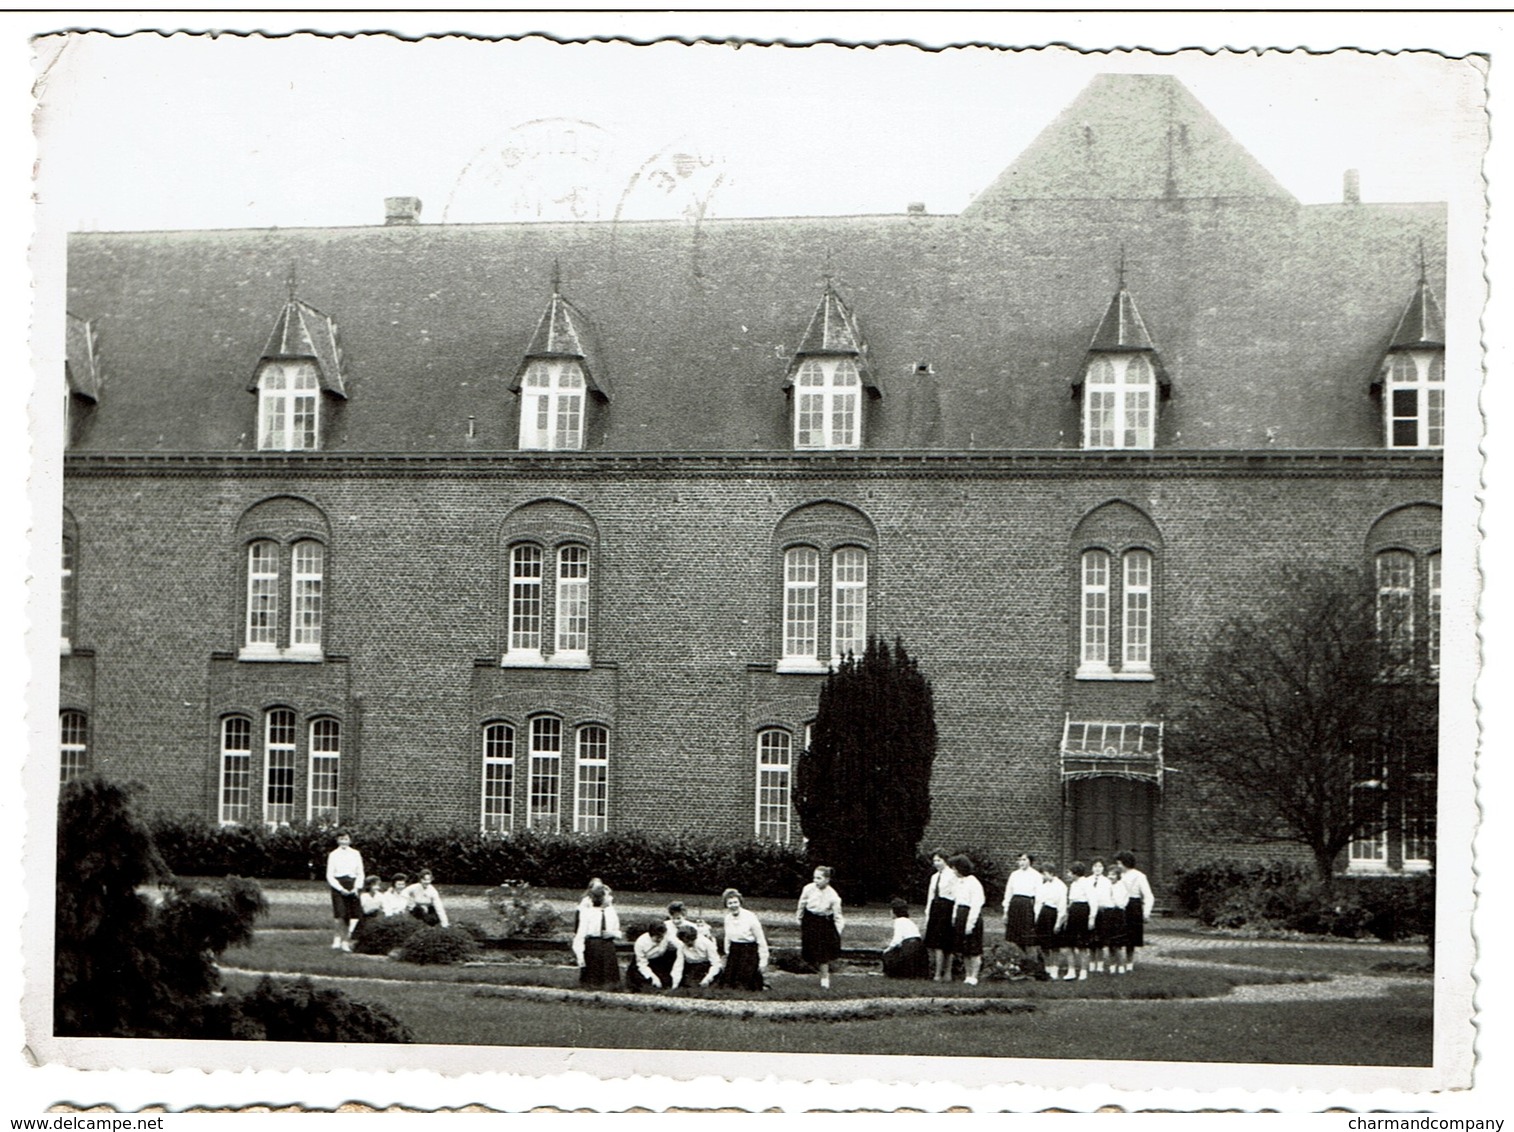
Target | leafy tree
(1311,719)
(128,963)
(862,790)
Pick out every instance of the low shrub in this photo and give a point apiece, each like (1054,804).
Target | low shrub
(379,935)
(1285,896)
(521,914)
(1004,961)
(277,1010)
(438,946)
(790,959)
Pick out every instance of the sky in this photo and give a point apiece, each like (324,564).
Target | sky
(153,132)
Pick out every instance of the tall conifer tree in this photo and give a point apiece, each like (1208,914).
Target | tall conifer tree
(862,790)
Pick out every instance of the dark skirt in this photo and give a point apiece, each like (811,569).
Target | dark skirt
(601,968)
(1078,933)
(635,980)
(346,905)
(819,942)
(907,961)
(968,944)
(1109,928)
(662,965)
(938,924)
(426,914)
(693,973)
(741,967)
(1135,922)
(1047,935)
(1020,921)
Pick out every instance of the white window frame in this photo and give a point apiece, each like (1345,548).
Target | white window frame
(571,606)
(1116,613)
(234,773)
(1119,403)
(1394,568)
(323,788)
(1418,861)
(1094,613)
(801,610)
(1137,565)
(308,573)
(1432,613)
(526,609)
(828,405)
(289,407)
(281,757)
(497,788)
(66,596)
(591,793)
(1421,376)
(545,782)
(73,745)
(261,626)
(774,785)
(848,602)
(552,403)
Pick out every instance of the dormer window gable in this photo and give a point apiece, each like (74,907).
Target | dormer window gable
(1121,380)
(827,377)
(558,374)
(300,365)
(1412,377)
(81,369)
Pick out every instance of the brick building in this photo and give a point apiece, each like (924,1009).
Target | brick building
(561,524)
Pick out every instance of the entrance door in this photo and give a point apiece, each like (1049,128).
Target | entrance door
(1110,814)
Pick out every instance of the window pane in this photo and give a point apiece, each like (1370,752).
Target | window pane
(546,773)
(1137,609)
(236,770)
(262,593)
(591,807)
(67,612)
(1395,605)
(278,757)
(1432,612)
(848,602)
(499,776)
(1435,423)
(325,769)
(809,427)
(309,569)
(801,602)
(73,745)
(525,598)
(1095,629)
(573,599)
(1098,431)
(774,767)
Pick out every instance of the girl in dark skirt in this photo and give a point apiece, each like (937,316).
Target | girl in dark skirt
(904,957)
(967,918)
(594,941)
(1020,904)
(344,876)
(940,897)
(1101,907)
(650,946)
(1137,909)
(746,946)
(1078,933)
(1114,930)
(820,923)
(1051,919)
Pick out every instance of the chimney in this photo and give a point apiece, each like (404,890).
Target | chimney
(1351,192)
(916,208)
(402,210)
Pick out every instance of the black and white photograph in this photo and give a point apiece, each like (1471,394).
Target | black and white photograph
(715,557)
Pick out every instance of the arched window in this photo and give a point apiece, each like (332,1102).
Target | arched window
(289,400)
(1119,402)
(73,745)
(552,405)
(548,547)
(1116,547)
(823,551)
(591,806)
(235,791)
(325,771)
(848,602)
(499,778)
(1395,607)
(573,601)
(285,580)
(278,766)
(1432,621)
(544,801)
(801,605)
(827,401)
(525,599)
(262,596)
(309,559)
(775,764)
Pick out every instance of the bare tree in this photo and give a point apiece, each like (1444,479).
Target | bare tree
(1312,719)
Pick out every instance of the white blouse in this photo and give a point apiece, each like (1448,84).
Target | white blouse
(1138,886)
(744,927)
(822,902)
(970,896)
(943,886)
(1022,882)
(904,928)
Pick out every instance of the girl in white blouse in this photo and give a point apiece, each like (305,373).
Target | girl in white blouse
(1138,909)
(746,945)
(940,899)
(1079,920)
(1100,903)
(967,918)
(594,941)
(820,923)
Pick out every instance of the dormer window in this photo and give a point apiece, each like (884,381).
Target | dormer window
(827,404)
(1122,380)
(1415,400)
(289,407)
(552,406)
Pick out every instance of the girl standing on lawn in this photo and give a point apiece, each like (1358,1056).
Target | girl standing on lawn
(1020,904)
(1100,904)
(746,945)
(820,923)
(1079,920)
(1138,909)
(594,941)
(1119,896)
(940,899)
(967,917)
(1051,918)
(424,902)
(344,876)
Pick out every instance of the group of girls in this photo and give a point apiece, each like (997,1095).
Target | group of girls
(1095,920)
(954,902)
(356,897)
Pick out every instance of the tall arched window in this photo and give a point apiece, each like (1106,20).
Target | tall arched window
(548,548)
(824,552)
(1395,607)
(309,560)
(73,745)
(325,771)
(278,766)
(544,801)
(591,805)
(235,791)
(499,778)
(525,599)
(573,601)
(1116,549)
(848,602)
(262,595)
(775,762)
(286,580)
(801,604)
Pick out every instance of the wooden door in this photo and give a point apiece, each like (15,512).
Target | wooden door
(1110,814)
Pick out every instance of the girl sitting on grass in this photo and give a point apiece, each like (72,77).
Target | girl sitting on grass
(905,957)
(424,902)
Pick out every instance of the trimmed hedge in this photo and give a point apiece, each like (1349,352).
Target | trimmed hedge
(632,860)
(438,946)
(1286,896)
(278,1010)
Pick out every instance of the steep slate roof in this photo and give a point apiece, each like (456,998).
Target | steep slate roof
(1268,314)
(833,331)
(1421,324)
(301,331)
(1122,331)
(81,359)
(1131,137)
(563,332)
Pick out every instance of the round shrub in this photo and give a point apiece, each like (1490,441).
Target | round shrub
(283,1011)
(438,947)
(379,935)
(521,914)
